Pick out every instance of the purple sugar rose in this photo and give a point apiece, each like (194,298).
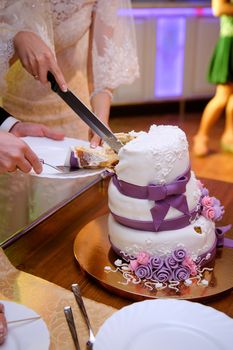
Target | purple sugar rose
(205,192)
(182,273)
(156,262)
(179,254)
(143,271)
(216,201)
(162,275)
(170,262)
(219,211)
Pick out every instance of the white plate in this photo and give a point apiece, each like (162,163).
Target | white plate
(55,152)
(166,324)
(30,335)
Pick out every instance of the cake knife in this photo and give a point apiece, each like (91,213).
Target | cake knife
(86,115)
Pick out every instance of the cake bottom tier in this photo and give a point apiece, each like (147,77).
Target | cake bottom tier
(198,239)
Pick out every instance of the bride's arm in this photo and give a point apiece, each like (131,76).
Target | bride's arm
(100,99)
(27,34)
(112,53)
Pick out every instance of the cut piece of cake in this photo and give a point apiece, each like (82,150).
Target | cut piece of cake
(87,157)
(100,157)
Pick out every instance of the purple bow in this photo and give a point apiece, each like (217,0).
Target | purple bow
(165,196)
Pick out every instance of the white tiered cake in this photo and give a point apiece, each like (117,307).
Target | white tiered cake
(159,221)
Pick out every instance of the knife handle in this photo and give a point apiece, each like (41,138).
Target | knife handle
(52,80)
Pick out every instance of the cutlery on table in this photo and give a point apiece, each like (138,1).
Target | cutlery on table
(70,320)
(77,293)
(24,320)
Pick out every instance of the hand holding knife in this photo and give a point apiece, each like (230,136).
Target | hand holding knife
(86,115)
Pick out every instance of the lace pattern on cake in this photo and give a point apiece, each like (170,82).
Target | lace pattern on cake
(166,159)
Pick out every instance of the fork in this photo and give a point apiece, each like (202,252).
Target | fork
(71,324)
(77,293)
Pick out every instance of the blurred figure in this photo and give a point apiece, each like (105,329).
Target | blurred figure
(220,73)
(88,45)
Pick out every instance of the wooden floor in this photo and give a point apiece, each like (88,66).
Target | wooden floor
(217,165)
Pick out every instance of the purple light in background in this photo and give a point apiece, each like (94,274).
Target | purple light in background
(170,43)
(155,12)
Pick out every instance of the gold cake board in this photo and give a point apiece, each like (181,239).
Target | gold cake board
(93,252)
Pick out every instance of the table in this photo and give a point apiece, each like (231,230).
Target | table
(47,249)
(27,200)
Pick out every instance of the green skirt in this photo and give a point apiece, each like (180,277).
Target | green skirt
(221,65)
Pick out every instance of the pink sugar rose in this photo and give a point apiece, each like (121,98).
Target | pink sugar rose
(133,264)
(209,213)
(207,201)
(191,265)
(143,258)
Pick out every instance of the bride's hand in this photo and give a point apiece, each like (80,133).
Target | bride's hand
(37,58)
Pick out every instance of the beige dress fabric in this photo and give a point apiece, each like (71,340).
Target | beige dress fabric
(65,26)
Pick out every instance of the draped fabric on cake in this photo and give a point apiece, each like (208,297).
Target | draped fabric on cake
(66,26)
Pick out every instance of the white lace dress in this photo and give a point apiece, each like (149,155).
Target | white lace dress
(65,26)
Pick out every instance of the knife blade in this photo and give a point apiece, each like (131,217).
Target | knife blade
(86,115)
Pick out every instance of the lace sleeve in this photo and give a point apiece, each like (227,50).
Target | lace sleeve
(114,56)
(24,15)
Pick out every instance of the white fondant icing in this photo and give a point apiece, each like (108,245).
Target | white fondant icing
(157,157)
(139,209)
(163,243)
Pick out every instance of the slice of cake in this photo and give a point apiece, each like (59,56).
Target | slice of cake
(162,220)
(100,157)
(87,157)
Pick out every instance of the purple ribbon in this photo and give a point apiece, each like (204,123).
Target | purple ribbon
(221,241)
(165,196)
(166,225)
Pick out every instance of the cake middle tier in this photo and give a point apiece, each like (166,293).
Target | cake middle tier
(140,209)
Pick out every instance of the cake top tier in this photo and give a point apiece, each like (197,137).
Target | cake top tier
(157,157)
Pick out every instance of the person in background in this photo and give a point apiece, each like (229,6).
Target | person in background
(14,152)
(220,73)
(88,45)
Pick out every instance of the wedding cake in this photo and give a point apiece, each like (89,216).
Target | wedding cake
(162,219)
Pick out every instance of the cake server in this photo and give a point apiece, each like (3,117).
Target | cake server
(86,115)
(64,169)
